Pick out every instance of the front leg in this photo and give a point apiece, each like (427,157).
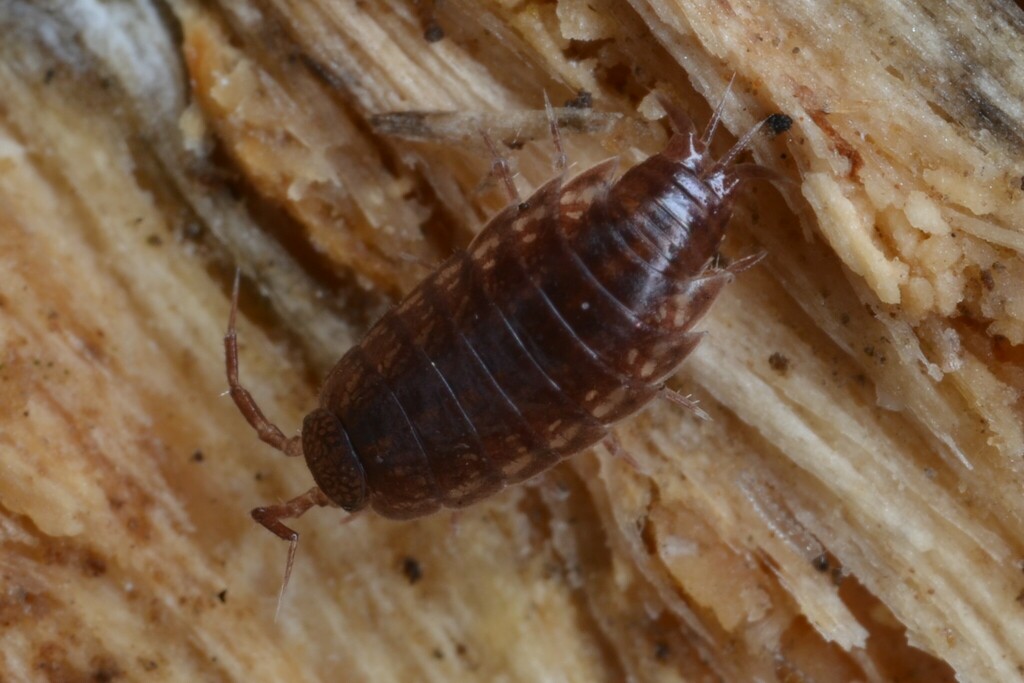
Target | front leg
(270,517)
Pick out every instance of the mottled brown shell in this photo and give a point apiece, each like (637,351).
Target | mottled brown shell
(563,316)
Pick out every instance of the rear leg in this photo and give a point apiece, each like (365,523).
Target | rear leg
(270,517)
(265,429)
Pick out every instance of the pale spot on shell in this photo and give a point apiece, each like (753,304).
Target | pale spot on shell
(616,397)
(661,348)
(647,369)
(564,437)
(631,356)
(449,272)
(485,247)
(591,395)
(570,197)
(517,464)
(584,194)
(529,238)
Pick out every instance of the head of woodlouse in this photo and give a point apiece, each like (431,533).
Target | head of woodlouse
(680,196)
(690,151)
(693,161)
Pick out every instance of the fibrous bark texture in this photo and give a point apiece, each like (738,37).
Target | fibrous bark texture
(851,511)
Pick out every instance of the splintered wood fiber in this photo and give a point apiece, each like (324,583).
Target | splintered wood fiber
(852,511)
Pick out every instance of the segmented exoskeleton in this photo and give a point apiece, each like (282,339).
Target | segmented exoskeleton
(564,315)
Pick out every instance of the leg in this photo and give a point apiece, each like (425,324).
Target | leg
(615,447)
(684,401)
(560,159)
(500,168)
(716,270)
(746,263)
(267,431)
(270,517)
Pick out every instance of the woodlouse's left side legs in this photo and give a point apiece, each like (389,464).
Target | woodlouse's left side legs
(270,517)
(267,430)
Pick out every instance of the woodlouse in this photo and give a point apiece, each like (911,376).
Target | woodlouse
(563,316)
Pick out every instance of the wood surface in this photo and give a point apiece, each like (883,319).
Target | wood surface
(853,511)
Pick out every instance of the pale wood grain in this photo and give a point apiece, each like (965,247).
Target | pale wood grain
(851,512)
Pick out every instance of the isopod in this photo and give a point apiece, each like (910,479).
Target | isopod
(563,316)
